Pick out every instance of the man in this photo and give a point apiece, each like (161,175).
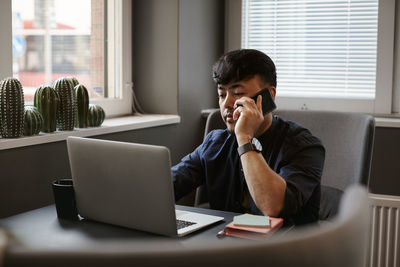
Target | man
(281,179)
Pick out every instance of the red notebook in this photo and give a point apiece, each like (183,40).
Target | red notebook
(254,233)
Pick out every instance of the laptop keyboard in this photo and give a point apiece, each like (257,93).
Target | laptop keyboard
(182,224)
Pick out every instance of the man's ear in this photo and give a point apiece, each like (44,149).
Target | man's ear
(272,90)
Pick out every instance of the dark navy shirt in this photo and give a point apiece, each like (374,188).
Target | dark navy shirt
(289,149)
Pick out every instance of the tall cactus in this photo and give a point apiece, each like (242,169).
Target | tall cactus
(67,108)
(82,106)
(47,100)
(33,121)
(11,108)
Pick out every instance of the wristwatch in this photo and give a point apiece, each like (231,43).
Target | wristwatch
(253,145)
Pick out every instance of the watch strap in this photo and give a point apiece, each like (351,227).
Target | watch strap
(245,148)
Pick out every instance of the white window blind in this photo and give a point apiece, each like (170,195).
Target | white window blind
(323,49)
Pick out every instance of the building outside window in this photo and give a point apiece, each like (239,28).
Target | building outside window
(54,38)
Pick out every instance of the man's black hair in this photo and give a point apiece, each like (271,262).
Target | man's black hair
(244,64)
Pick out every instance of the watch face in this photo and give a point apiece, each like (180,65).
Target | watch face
(257,144)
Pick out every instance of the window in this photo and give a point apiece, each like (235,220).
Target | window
(54,38)
(328,54)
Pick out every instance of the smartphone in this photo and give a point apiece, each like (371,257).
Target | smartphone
(267,104)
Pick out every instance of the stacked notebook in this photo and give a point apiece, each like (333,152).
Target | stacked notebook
(252,226)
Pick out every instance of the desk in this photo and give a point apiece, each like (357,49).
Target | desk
(39,238)
(40,231)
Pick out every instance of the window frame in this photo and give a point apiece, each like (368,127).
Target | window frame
(121,71)
(119,59)
(382,104)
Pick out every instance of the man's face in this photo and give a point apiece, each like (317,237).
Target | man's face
(229,93)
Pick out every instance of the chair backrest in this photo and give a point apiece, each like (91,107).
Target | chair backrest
(348,140)
(214,121)
(343,242)
(340,243)
(3,240)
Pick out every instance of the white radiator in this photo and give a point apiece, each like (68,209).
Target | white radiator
(384,247)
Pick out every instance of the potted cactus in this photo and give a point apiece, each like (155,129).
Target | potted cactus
(96,115)
(82,106)
(11,108)
(33,121)
(46,100)
(67,108)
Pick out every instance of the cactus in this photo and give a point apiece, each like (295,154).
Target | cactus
(33,121)
(82,106)
(46,100)
(66,109)
(96,115)
(11,108)
(73,80)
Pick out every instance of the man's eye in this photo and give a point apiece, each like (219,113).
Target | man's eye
(238,95)
(221,96)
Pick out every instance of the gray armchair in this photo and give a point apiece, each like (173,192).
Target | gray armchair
(348,139)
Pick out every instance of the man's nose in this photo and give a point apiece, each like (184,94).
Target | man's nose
(229,101)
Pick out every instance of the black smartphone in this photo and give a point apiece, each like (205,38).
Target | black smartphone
(267,104)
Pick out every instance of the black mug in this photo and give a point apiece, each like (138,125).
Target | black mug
(64,198)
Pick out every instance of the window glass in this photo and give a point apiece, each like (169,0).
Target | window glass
(59,38)
(324,49)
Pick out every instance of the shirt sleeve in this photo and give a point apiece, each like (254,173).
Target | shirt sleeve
(302,174)
(189,173)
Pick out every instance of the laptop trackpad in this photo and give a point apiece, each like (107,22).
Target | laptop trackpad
(198,218)
(180,213)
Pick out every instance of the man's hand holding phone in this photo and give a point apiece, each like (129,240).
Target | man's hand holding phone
(249,114)
(248,117)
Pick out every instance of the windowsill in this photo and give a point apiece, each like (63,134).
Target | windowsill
(112,125)
(393,122)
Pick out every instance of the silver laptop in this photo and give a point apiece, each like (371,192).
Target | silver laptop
(129,185)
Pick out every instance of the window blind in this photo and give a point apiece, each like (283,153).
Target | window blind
(324,49)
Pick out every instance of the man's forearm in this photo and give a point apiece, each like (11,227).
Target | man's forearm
(266,187)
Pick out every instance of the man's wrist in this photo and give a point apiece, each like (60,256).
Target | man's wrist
(243,139)
(253,145)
